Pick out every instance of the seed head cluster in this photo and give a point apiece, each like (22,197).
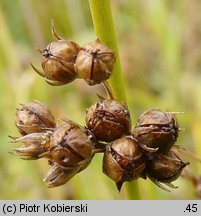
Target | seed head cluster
(147,151)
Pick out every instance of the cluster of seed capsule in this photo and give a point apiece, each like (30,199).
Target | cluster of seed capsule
(68,147)
(147,151)
(65,61)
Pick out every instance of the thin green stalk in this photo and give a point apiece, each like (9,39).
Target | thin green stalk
(104,28)
(132,190)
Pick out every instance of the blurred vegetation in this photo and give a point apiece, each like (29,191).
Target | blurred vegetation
(159,44)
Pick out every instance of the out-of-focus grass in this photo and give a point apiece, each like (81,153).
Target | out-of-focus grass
(160,53)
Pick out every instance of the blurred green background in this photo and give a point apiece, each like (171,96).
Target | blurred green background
(160,50)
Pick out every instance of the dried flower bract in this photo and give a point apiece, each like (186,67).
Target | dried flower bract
(34,117)
(36,145)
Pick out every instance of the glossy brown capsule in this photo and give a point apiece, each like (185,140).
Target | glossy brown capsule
(156,130)
(164,168)
(34,117)
(95,62)
(123,161)
(58,61)
(72,146)
(108,120)
(71,149)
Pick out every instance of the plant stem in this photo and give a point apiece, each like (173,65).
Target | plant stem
(104,28)
(132,190)
(108,89)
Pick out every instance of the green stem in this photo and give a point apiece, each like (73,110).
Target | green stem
(104,28)
(132,190)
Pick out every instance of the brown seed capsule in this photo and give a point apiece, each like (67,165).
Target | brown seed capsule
(36,145)
(164,168)
(72,146)
(156,129)
(95,62)
(123,161)
(108,120)
(58,63)
(34,117)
